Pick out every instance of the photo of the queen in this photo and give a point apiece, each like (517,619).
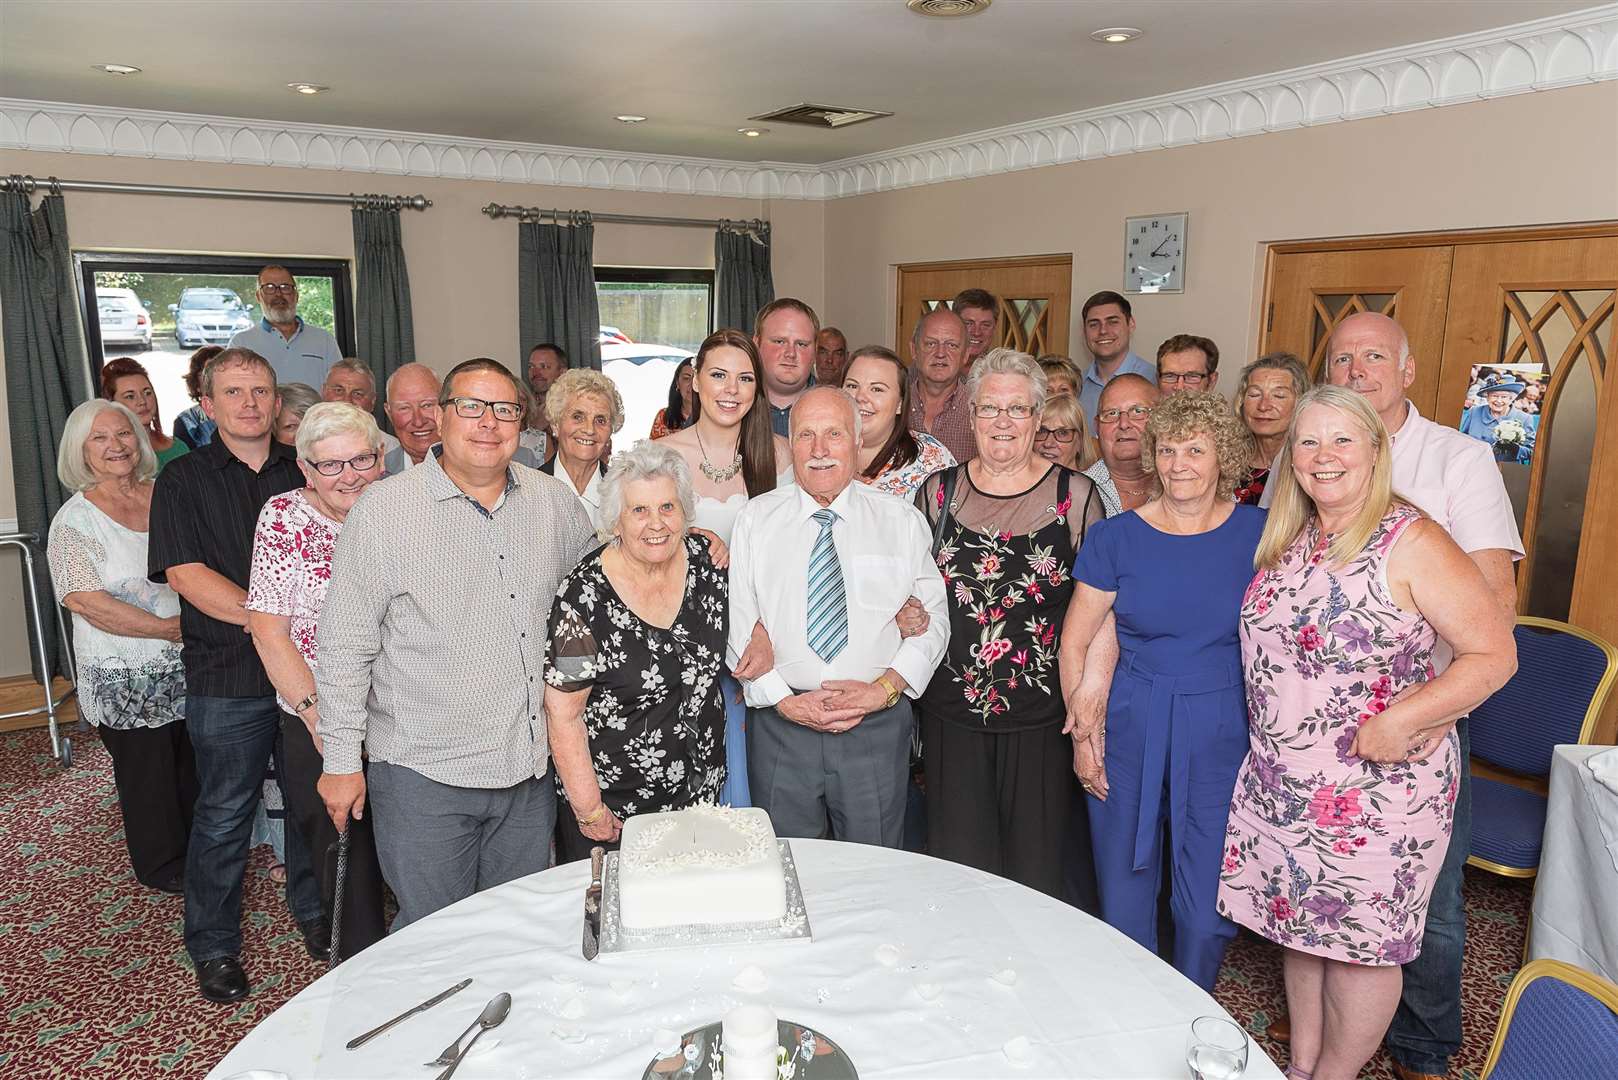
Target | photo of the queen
(1502,409)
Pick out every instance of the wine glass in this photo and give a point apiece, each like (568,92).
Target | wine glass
(1216,1049)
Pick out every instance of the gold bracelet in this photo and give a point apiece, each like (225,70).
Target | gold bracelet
(600,812)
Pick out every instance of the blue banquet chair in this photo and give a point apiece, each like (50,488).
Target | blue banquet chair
(1560,1022)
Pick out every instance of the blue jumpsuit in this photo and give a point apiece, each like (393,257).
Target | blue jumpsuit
(1176,725)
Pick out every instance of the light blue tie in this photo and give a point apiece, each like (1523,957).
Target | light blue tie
(828,605)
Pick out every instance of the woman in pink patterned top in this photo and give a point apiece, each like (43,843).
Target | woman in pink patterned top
(1343,806)
(892,458)
(340,453)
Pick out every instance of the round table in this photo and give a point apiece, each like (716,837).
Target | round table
(918,968)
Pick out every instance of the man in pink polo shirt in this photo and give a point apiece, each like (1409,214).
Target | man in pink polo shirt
(1454,480)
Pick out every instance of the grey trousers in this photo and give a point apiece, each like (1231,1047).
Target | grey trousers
(849,786)
(439,844)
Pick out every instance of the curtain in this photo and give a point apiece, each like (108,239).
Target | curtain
(46,374)
(556,289)
(742,280)
(386,330)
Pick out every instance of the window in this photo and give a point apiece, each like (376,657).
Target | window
(651,320)
(161,308)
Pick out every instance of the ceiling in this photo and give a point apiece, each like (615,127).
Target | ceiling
(558,72)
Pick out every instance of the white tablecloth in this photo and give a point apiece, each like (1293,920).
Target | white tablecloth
(1576,897)
(1089,1001)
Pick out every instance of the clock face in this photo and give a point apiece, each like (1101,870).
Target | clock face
(1154,253)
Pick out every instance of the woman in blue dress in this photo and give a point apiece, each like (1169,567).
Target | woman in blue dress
(1158,759)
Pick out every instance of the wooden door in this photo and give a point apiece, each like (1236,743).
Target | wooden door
(1310,292)
(1035,293)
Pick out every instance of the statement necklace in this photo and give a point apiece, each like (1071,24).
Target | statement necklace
(715,473)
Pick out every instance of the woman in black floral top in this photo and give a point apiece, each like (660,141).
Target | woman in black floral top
(637,645)
(1000,783)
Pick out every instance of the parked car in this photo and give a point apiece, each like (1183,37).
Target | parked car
(123,318)
(642,374)
(208,317)
(611,335)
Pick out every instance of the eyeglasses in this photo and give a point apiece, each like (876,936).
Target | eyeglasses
(1112,416)
(1174,378)
(334,467)
(471,408)
(991,412)
(273,287)
(1060,434)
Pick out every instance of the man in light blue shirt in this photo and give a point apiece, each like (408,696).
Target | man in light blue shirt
(1108,325)
(297,351)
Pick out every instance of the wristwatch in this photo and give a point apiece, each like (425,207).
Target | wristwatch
(303,705)
(893,691)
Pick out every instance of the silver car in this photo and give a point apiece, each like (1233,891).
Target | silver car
(208,317)
(123,319)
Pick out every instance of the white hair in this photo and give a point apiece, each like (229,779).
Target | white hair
(1003,361)
(853,407)
(575,381)
(353,366)
(329,418)
(71,468)
(411,367)
(646,460)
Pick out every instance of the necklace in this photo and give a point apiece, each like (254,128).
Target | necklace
(713,472)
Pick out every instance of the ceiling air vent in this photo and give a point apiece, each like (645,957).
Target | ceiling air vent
(821,116)
(946,9)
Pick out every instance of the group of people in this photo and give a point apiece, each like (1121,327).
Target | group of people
(1037,611)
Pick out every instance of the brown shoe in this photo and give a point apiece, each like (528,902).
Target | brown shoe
(1280,1029)
(1404,1073)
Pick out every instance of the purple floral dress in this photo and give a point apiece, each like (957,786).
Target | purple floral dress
(1325,852)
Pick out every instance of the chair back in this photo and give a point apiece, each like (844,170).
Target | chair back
(1564,675)
(1559,1021)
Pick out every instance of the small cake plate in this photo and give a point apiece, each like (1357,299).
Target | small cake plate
(616,938)
(808,1055)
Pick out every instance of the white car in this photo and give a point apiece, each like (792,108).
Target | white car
(122,317)
(642,374)
(208,317)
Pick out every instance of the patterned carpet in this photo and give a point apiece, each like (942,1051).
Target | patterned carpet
(94,979)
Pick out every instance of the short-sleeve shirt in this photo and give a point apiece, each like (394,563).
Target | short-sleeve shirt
(292,552)
(656,715)
(305,357)
(204,509)
(952,425)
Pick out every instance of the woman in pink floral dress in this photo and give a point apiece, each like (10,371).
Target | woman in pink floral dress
(1343,807)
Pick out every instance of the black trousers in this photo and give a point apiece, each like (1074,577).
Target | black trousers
(362,892)
(156,776)
(571,844)
(1002,803)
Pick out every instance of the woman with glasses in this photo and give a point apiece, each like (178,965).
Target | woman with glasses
(1159,758)
(1061,436)
(340,454)
(998,767)
(1266,394)
(891,457)
(584,409)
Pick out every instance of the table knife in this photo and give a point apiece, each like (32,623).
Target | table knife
(360,1040)
(592,905)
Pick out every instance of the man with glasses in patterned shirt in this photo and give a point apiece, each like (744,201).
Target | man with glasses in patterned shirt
(297,351)
(433,663)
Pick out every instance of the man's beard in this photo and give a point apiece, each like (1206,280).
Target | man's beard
(281,316)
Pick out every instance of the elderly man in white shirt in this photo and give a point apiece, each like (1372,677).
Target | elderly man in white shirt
(825,564)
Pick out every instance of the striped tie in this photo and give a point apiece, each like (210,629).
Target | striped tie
(828,606)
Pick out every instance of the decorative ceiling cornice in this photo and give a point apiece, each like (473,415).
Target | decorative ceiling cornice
(1567,50)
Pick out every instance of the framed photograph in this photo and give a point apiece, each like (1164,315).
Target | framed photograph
(1502,408)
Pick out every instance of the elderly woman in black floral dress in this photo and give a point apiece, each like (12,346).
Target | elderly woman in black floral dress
(637,645)
(999,769)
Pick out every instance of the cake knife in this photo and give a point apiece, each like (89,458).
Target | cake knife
(592,905)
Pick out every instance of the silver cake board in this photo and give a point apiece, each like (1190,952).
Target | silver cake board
(616,938)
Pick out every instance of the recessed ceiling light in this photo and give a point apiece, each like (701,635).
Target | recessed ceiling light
(1116,35)
(307,88)
(629,118)
(947,9)
(752,133)
(116,69)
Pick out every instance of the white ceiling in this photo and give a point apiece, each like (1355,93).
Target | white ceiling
(557,72)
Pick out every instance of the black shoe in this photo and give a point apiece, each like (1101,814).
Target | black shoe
(221,980)
(317,938)
(174,886)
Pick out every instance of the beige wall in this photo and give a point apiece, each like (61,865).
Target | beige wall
(1534,158)
(463,266)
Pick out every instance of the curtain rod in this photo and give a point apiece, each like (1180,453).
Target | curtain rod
(27,185)
(535,213)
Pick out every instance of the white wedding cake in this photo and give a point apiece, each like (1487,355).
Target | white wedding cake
(707,866)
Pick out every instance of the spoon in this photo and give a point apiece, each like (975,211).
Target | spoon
(493,1015)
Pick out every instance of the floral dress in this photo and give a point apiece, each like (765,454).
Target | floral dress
(292,552)
(932,456)
(1328,853)
(655,716)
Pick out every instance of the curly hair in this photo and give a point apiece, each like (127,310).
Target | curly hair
(575,381)
(1199,412)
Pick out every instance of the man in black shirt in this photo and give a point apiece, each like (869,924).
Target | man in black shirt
(204,511)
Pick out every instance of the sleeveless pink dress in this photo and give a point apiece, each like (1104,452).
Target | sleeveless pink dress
(1325,852)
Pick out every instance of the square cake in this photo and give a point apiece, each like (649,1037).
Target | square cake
(706,865)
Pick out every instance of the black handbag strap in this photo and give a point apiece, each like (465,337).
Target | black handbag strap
(947,487)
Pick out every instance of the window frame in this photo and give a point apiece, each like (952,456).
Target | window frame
(661,275)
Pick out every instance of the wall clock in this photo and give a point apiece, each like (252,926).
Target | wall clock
(1154,253)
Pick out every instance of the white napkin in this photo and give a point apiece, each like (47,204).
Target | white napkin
(1604,767)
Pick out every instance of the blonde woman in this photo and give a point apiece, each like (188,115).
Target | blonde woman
(1062,436)
(1343,807)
